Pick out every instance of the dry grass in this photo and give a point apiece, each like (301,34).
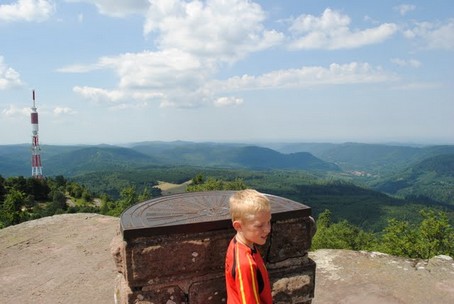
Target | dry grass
(169,188)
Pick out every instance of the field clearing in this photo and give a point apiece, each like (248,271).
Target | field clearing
(169,188)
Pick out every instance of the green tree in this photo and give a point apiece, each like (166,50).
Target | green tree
(433,236)
(128,197)
(59,199)
(2,189)
(11,212)
(399,238)
(156,192)
(436,236)
(75,190)
(198,179)
(86,195)
(18,183)
(236,184)
(213,184)
(60,181)
(145,195)
(341,235)
(38,188)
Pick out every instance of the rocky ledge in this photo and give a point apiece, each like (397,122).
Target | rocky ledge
(354,277)
(66,259)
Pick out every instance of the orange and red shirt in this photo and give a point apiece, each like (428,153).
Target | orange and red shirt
(247,280)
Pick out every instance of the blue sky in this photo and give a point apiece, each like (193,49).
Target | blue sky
(227,71)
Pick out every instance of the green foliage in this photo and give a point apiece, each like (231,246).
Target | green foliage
(59,199)
(2,188)
(24,199)
(432,236)
(361,206)
(128,198)
(212,184)
(353,208)
(11,213)
(399,238)
(431,178)
(340,235)
(112,183)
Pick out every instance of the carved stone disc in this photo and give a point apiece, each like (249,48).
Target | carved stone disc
(192,212)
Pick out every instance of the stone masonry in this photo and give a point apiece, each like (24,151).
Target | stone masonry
(171,250)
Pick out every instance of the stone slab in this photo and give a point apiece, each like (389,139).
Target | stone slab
(194,212)
(173,249)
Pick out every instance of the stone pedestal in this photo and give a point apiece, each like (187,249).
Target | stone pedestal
(172,249)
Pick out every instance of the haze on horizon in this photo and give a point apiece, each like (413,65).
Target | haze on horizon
(227,71)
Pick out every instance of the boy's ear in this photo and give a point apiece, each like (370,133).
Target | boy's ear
(236,225)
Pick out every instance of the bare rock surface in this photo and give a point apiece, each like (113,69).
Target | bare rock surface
(66,259)
(59,259)
(371,278)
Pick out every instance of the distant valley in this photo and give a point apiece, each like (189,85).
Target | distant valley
(364,183)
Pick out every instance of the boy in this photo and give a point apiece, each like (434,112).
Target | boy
(247,280)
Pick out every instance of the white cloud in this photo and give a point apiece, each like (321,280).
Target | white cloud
(171,76)
(63,110)
(403,9)
(99,95)
(119,8)
(126,106)
(116,98)
(148,77)
(189,52)
(228,101)
(404,63)
(220,30)
(8,76)
(27,10)
(13,111)
(433,35)
(331,31)
(156,70)
(335,74)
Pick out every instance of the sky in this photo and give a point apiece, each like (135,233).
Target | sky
(118,72)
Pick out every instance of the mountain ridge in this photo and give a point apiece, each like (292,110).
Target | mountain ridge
(384,168)
(73,160)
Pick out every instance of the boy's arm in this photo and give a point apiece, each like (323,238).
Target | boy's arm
(246,280)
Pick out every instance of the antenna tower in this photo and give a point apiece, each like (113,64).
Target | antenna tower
(37,169)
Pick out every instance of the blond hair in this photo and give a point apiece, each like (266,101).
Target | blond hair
(245,204)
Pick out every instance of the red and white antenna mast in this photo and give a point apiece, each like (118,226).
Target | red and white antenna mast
(37,169)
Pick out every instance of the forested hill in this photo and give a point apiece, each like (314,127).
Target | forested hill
(75,160)
(373,158)
(424,177)
(432,177)
(258,157)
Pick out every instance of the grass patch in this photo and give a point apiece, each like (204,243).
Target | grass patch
(170,188)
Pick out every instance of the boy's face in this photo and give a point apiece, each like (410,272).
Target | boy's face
(255,229)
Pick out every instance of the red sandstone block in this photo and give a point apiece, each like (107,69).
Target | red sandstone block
(161,259)
(184,262)
(208,291)
(293,284)
(290,238)
(169,294)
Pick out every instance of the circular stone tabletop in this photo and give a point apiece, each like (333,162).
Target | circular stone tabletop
(194,212)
